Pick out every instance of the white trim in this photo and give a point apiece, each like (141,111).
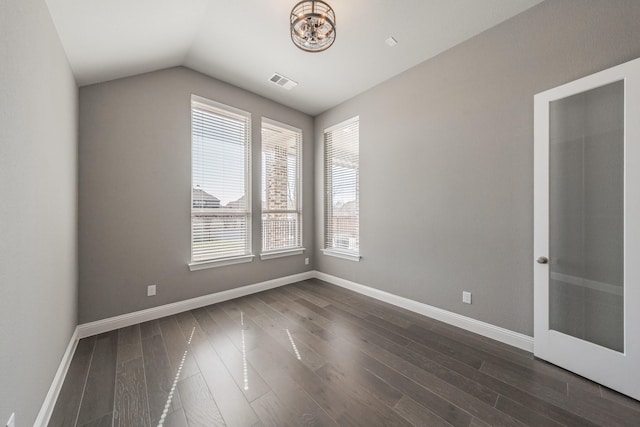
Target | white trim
(206,102)
(56,385)
(273,122)
(124,320)
(506,336)
(280,254)
(195,266)
(586,283)
(344,255)
(342,124)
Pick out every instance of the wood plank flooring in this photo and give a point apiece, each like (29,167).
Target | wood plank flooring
(313,354)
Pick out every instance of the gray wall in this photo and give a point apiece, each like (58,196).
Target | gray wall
(38,256)
(446,152)
(134,192)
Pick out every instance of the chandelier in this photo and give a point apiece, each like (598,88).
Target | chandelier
(313,25)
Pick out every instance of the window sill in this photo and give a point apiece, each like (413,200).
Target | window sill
(351,256)
(201,265)
(283,253)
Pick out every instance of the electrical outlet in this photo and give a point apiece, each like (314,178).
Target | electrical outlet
(306,261)
(151,290)
(466,297)
(12,421)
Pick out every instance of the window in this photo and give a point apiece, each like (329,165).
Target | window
(220,177)
(341,185)
(281,213)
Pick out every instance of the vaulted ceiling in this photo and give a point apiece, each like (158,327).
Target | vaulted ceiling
(243,42)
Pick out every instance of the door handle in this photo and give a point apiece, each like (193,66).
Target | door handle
(542,260)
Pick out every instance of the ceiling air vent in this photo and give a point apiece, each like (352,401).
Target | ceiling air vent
(282,81)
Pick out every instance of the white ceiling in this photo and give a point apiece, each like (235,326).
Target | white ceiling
(243,42)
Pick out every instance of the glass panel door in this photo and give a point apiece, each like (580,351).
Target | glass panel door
(586,215)
(586,240)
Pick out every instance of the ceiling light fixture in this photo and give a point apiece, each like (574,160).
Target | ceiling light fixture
(313,25)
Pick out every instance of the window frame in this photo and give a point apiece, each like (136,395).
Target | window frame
(220,109)
(299,248)
(328,248)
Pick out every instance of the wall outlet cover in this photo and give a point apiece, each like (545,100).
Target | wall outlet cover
(151,290)
(466,297)
(306,261)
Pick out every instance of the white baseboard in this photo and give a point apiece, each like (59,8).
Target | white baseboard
(117,322)
(56,385)
(506,336)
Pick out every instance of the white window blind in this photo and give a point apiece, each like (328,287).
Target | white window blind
(220,201)
(281,207)
(341,185)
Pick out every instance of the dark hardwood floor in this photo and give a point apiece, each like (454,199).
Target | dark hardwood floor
(315,354)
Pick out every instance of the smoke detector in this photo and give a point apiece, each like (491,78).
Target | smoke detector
(282,81)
